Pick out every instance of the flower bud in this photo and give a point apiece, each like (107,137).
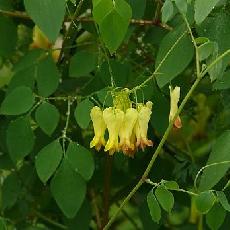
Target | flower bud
(174,99)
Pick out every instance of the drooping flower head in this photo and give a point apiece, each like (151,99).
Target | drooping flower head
(174,99)
(99,127)
(141,127)
(126,131)
(113,119)
(127,126)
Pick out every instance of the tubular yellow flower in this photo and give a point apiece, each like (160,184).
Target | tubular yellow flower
(113,119)
(99,128)
(141,127)
(174,99)
(126,131)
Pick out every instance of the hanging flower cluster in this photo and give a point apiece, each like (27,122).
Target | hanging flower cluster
(127,126)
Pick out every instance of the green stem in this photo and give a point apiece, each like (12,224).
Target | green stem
(155,155)
(219,58)
(160,64)
(194,43)
(64,131)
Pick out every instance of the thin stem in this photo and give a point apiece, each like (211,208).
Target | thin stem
(64,131)
(194,43)
(207,166)
(70,36)
(50,221)
(139,22)
(155,155)
(160,64)
(106,57)
(219,58)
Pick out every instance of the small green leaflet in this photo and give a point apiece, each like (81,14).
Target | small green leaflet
(165,198)
(68,189)
(154,207)
(48,160)
(204,201)
(47,14)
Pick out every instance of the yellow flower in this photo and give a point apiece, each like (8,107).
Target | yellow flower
(174,99)
(99,128)
(113,119)
(126,131)
(40,40)
(141,127)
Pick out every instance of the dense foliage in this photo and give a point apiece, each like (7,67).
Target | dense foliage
(61,58)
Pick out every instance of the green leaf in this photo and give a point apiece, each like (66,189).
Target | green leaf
(203,8)
(181,5)
(47,14)
(204,201)
(82,63)
(167,11)
(220,152)
(68,189)
(100,9)
(171,58)
(223,200)
(30,59)
(115,22)
(47,77)
(215,217)
(165,198)
(205,50)
(138,8)
(11,189)
(154,207)
(217,29)
(47,117)
(83,217)
(201,40)
(81,160)
(82,113)
(19,101)
(216,71)
(24,77)
(8,41)
(19,138)
(48,160)
(171,185)
(223,83)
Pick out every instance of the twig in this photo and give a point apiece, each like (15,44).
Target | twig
(70,36)
(194,43)
(64,131)
(207,166)
(160,64)
(140,22)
